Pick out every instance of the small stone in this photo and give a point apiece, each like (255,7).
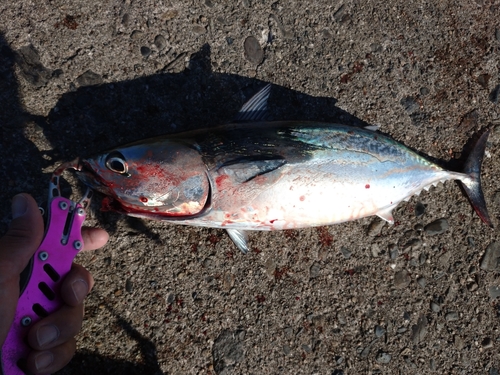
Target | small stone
(229,40)
(118,292)
(422,282)
(393,251)
(314,270)
(253,50)
(412,244)
(469,121)
(419,209)
(227,351)
(459,342)
(129,285)
(375,250)
(432,364)
(418,227)
(375,227)
(145,51)
(160,42)
(494,292)
(170,298)
(345,252)
(136,34)
(306,348)
(444,260)
(424,91)
(199,29)
(286,350)
(89,78)
(471,242)
(379,331)
(436,227)
(451,316)
(419,330)
(487,343)
(497,34)
(435,307)
(401,279)
(339,14)
(410,105)
(472,287)
(31,68)
(383,358)
(495,94)
(491,256)
(402,330)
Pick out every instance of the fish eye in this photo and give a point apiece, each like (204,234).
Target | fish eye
(116,162)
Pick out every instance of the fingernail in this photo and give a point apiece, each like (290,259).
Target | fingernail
(19,206)
(47,334)
(80,289)
(43,360)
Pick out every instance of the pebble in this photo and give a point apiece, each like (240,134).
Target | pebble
(379,331)
(409,104)
(432,364)
(170,298)
(145,51)
(286,350)
(495,94)
(401,279)
(345,252)
(424,91)
(418,227)
(314,270)
(375,250)
(375,227)
(436,227)
(435,307)
(419,209)
(490,258)
(253,50)
(227,350)
(497,34)
(419,330)
(487,343)
(412,244)
(459,342)
(129,285)
(494,292)
(31,68)
(160,42)
(451,316)
(136,34)
(422,282)
(383,358)
(89,78)
(393,251)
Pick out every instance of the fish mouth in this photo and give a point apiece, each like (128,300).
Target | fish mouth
(89,177)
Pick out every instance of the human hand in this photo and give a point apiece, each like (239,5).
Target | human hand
(52,338)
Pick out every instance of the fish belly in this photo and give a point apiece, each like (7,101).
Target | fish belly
(332,187)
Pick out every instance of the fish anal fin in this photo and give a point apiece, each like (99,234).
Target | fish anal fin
(240,239)
(386,214)
(255,109)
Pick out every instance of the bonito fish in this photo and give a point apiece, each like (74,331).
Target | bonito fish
(270,175)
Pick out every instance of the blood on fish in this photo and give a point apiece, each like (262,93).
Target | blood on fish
(220,180)
(302,198)
(143,199)
(367,186)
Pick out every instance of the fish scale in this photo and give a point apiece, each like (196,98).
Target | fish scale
(259,175)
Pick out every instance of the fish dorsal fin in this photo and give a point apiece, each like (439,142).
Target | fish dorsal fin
(240,239)
(386,214)
(245,169)
(255,109)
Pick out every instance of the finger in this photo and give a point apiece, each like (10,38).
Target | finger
(94,238)
(76,285)
(56,328)
(16,248)
(49,361)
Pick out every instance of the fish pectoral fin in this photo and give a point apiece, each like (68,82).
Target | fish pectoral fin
(240,239)
(373,128)
(386,214)
(255,109)
(245,169)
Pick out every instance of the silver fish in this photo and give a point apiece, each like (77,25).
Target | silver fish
(261,175)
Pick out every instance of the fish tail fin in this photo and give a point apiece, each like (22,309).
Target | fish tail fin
(472,184)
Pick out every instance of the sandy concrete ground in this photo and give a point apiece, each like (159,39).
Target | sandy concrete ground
(77,77)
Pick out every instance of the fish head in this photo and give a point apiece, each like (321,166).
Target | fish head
(160,177)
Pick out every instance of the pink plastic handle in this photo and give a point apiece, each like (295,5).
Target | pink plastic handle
(51,263)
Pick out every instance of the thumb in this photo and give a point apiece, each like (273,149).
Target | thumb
(16,248)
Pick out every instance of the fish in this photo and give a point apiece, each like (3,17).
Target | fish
(253,174)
